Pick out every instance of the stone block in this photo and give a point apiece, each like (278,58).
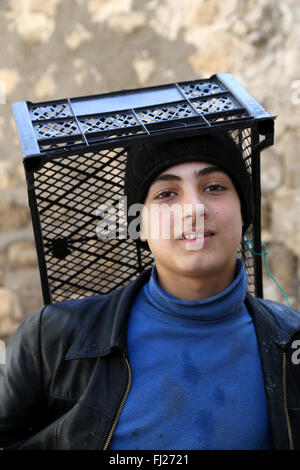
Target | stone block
(21,254)
(10,312)
(285,220)
(26,282)
(271,171)
(12,215)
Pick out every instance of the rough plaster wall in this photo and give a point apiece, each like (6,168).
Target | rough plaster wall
(67,48)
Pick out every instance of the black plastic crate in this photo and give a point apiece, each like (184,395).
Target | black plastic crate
(75,155)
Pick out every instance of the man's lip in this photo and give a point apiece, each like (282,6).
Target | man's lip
(198,234)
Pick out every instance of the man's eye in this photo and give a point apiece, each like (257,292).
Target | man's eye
(214,188)
(164,194)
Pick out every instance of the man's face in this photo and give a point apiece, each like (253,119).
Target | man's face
(208,189)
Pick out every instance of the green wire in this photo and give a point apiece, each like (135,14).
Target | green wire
(264,254)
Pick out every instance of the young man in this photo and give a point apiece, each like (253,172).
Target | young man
(181,358)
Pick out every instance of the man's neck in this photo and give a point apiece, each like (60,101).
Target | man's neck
(195,287)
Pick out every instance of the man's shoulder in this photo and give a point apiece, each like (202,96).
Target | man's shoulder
(81,308)
(76,313)
(279,309)
(285,320)
(69,317)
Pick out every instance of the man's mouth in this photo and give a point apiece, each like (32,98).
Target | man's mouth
(196,235)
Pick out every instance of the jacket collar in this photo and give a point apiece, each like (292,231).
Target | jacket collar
(106,328)
(278,322)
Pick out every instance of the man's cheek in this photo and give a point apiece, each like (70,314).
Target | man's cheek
(170,222)
(144,235)
(157,223)
(229,222)
(166,223)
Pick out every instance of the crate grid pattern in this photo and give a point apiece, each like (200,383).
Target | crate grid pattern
(78,262)
(212,106)
(204,101)
(117,121)
(57,128)
(165,113)
(243,139)
(202,88)
(215,104)
(50,111)
(69,191)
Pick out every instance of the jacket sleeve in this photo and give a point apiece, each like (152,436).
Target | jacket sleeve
(21,384)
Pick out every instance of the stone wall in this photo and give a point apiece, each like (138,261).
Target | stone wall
(50,50)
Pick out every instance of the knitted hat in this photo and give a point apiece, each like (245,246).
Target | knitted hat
(147,160)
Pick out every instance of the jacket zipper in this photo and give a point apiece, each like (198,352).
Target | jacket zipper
(115,422)
(289,428)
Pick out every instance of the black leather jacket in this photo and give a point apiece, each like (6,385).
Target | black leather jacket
(67,373)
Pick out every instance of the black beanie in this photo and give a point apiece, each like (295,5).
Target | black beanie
(145,161)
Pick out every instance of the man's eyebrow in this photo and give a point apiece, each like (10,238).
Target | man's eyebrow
(205,171)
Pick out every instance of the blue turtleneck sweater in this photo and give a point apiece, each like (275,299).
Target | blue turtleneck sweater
(197,381)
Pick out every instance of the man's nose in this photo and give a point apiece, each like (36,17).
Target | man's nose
(194,207)
(193,199)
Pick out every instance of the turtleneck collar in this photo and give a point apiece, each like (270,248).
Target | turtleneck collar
(224,304)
